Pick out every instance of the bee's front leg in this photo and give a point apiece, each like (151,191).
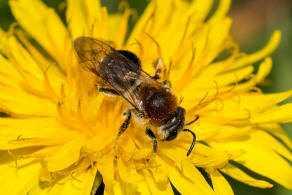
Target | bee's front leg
(108,91)
(150,133)
(158,70)
(158,73)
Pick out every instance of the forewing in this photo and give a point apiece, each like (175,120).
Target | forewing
(91,52)
(97,56)
(122,75)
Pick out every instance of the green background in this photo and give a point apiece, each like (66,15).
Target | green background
(253,23)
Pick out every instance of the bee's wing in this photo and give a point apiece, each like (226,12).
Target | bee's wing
(91,52)
(115,69)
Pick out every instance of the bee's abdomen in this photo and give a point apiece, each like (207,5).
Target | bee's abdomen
(158,102)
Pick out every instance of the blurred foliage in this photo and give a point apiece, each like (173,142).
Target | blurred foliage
(251,34)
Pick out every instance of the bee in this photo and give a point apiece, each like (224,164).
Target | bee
(148,98)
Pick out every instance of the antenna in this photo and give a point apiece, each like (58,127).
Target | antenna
(193,143)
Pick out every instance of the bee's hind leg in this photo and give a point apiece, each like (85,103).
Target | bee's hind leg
(124,125)
(150,133)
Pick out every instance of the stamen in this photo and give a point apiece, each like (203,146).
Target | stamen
(159,51)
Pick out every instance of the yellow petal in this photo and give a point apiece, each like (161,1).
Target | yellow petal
(65,156)
(2,40)
(269,48)
(205,156)
(269,142)
(258,103)
(96,183)
(193,183)
(74,184)
(121,188)
(217,36)
(221,11)
(107,169)
(203,82)
(29,61)
(45,26)
(220,184)
(156,188)
(207,45)
(123,28)
(79,184)
(85,19)
(27,105)
(197,9)
(18,179)
(18,133)
(33,74)
(127,174)
(150,30)
(278,131)
(114,21)
(264,69)
(224,113)
(261,159)
(280,114)
(239,175)
(8,69)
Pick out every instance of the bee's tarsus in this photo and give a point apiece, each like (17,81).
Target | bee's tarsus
(150,133)
(193,143)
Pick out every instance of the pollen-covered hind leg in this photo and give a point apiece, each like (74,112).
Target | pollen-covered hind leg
(150,133)
(125,124)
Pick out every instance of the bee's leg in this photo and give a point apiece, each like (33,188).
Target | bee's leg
(108,91)
(150,133)
(159,72)
(125,124)
(166,83)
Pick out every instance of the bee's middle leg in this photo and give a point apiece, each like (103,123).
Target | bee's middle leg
(158,70)
(150,133)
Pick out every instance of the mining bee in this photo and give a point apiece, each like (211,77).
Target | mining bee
(149,99)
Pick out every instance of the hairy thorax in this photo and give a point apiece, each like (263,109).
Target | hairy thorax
(158,103)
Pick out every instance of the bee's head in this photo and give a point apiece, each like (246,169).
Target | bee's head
(173,124)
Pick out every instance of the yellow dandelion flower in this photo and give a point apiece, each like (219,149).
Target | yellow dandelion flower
(58,133)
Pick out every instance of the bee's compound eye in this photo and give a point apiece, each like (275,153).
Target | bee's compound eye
(131,56)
